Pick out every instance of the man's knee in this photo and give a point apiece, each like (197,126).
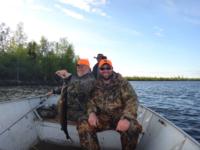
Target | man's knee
(129,140)
(135,127)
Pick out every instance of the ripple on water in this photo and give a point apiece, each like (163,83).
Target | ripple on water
(178,101)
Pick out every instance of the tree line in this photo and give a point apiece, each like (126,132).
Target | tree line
(32,62)
(178,78)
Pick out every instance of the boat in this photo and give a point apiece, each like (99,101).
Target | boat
(22,127)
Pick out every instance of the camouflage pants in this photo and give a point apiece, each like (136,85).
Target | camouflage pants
(89,140)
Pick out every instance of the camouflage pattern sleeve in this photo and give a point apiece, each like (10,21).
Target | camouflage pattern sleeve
(130,101)
(91,105)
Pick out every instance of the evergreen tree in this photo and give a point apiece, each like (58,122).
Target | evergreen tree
(31,61)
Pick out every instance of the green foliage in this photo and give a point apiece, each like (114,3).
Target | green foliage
(32,62)
(4,37)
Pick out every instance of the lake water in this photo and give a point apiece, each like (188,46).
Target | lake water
(178,101)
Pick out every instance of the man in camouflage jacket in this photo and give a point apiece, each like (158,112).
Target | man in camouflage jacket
(113,106)
(75,92)
(78,92)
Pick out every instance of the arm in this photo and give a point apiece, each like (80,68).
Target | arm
(129,98)
(130,101)
(63,73)
(92,119)
(54,91)
(91,105)
(92,110)
(59,78)
(57,90)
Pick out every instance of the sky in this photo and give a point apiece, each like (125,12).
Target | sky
(141,37)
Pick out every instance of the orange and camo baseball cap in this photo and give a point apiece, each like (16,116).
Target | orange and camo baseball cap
(83,62)
(105,61)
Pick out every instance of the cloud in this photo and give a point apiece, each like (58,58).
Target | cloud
(98,11)
(170,3)
(191,14)
(127,31)
(192,20)
(73,14)
(70,13)
(40,8)
(32,5)
(81,4)
(158,31)
(90,6)
(188,11)
(134,32)
(11,12)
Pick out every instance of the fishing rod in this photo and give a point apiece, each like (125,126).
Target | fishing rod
(34,108)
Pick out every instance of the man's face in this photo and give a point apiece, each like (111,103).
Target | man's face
(106,71)
(82,70)
(99,58)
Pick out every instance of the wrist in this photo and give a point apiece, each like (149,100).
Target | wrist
(125,117)
(92,114)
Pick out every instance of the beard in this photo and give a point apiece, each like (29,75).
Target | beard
(106,77)
(82,73)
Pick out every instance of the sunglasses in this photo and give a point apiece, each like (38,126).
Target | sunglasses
(80,66)
(105,68)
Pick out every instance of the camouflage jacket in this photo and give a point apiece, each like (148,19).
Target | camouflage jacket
(117,97)
(78,91)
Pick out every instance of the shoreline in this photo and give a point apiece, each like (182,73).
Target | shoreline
(135,78)
(27,83)
(51,83)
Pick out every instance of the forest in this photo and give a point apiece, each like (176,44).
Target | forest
(24,62)
(32,62)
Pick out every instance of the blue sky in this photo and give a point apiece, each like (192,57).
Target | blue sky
(141,37)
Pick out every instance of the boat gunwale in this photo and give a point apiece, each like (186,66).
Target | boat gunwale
(186,135)
(24,99)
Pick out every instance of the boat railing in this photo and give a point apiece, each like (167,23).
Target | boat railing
(24,98)
(41,102)
(165,121)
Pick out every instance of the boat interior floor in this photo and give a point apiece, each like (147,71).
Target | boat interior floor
(42,145)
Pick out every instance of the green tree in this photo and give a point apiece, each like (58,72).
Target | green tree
(70,59)
(67,55)
(32,61)
(4,37)
(33,49)
(19,36)
(44,46)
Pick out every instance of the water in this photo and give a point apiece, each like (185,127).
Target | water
(17,92)
(178,101)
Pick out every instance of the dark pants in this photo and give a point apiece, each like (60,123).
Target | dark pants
(88,137)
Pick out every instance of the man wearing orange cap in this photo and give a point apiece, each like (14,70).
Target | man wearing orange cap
(82,68)
(79,89)
(113,105)
(75,93)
